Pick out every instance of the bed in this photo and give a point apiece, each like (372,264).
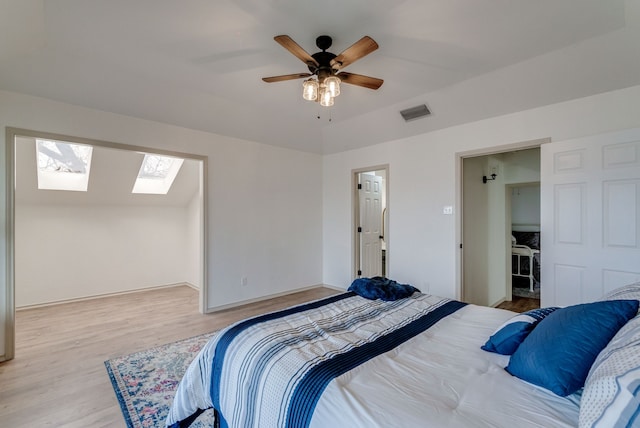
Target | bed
(351,361)
(525,257)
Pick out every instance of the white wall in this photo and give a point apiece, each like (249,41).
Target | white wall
(264,209)
(522,166)
(525,207)
(476,233)
(423,178)
(485,260)
(496,230)
(67,252)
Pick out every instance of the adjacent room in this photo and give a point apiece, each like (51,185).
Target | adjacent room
(93,220)
(383,213)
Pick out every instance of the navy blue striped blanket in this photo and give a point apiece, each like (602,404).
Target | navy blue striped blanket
(271,370)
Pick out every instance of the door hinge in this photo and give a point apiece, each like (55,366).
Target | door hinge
(460,245)
(359,230)
(359,273)
(359,186)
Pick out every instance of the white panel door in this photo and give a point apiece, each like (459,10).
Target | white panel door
(371,224)
(590,225)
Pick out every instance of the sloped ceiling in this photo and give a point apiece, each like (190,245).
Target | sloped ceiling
(199,64)
(112,175)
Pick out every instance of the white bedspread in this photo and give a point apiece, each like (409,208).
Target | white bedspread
(439,378)
(442,378)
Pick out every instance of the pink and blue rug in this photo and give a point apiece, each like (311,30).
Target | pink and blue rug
(145,382)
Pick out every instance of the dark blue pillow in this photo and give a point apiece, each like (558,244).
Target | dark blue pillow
(559,352)
(506,339)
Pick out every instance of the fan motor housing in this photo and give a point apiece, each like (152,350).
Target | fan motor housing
(324,59)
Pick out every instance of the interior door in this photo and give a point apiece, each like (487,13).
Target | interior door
(370,195)
(590,216)
(475,220)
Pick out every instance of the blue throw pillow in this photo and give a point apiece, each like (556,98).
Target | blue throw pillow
(506,339)
(559,352)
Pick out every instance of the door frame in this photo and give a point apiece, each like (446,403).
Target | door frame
(11,134)
(355,211)
(459,171)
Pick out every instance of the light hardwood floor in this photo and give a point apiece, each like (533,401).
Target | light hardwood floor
(58,377)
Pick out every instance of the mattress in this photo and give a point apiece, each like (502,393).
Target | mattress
(438,377)
(441,378)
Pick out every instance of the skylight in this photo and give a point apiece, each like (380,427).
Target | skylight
(157,174)
(62,165)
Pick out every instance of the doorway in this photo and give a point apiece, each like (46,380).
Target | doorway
(371,221)
(487,186)
(195,212)
(523,205)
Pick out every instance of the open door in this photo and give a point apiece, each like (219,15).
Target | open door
(487,223)
(370,229)
(590,196)
(370,223)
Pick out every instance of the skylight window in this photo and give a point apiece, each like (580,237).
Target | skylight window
(157,174)
(62,165)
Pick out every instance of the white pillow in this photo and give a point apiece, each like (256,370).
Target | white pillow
(611,396)
(626,292)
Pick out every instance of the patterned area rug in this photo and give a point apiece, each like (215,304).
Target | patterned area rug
(145,382)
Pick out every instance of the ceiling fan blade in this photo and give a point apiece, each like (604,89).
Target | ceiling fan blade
(362,47)
(360,80)
(284,77)
(288,43)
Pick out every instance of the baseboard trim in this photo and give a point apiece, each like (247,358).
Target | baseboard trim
(499,302)
(333,287)
(179,284)
(188,284)
(100,296)
(214,309)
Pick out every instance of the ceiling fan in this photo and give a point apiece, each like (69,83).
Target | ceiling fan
(325,68)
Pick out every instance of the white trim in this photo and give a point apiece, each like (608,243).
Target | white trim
(263,298)
(195,287)
(333,287)
(100,296)
(355,211)
(10,262)
(499,302)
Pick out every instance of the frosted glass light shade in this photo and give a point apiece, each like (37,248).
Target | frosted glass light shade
(310,90)
(333,85)
(326,100)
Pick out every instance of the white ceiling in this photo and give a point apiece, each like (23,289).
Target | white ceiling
(198,64)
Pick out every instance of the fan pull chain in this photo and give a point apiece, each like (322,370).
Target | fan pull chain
(319,116)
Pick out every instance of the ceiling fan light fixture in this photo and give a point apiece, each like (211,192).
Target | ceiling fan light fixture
(333,85)
(310,90)
(321,84)
(326,100)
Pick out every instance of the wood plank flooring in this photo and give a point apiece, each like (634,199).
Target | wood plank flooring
(520,304)
(58,377)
